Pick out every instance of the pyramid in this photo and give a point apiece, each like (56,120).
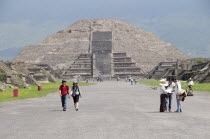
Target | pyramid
(60,50)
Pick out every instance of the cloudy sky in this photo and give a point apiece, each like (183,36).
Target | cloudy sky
(184,23)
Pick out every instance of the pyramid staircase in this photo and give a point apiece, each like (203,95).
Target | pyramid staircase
(124,66)
(159,71)
(82,66)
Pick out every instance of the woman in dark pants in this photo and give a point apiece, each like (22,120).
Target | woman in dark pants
(76,94)
(163,95)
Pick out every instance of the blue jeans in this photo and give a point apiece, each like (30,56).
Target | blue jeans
(64,100)
(131,82)
(169,101)
(179,106)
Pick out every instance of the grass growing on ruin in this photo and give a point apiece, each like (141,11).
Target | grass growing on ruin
(198,86)
(33,92)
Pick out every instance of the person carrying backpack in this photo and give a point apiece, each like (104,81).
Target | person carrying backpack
(75,94)
(64,93)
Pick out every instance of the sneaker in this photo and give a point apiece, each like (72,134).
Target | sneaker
(77,109)
(64,109)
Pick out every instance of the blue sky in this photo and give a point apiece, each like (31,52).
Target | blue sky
(184,23)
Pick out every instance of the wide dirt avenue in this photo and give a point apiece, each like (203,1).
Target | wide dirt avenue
(108,110)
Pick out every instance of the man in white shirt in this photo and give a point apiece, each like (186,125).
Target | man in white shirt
(190,84)
(177,89)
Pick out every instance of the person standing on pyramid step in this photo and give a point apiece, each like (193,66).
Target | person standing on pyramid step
(75,92)
(64,93)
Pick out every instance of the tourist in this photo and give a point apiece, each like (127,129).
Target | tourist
(131,80)
(169,97)
(163,95)
(135,81)
(190,84)
(64,93)
(177,89)
(117,78)
(75,94)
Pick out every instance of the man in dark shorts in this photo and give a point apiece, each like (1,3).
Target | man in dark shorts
(64,93)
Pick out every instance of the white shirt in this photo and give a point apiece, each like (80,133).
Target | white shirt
(190,83)
(178,87)
(170,87)
(163,90)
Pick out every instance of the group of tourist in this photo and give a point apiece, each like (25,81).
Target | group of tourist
(65,93)
(132,80)
(167,89)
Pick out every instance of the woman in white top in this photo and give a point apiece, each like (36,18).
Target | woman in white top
(75,94)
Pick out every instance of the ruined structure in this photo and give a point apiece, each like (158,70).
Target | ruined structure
(197,68)
(22,75)
(101,47)
(162,70)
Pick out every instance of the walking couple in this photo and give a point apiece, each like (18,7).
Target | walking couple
(167,88)
(64,93)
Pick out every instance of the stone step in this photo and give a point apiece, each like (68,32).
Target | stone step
(119,55)
(74,74)
(127,70)
(122,59)
(85,59)
(164,67)
(84,65)
(79,70)
(82,58)
(124,64)
(85,56)
(83,62)
(126,75)
(168,63)
(68,76)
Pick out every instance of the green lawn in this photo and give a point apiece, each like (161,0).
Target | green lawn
(197,87)
(149,82)
(33,92)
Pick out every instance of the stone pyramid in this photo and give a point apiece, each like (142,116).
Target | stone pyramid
(60,49)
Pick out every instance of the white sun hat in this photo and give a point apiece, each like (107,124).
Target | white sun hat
(163,80)
(164,84)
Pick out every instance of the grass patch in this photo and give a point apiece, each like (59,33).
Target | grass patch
(33,91)
(149,82)
(205,87)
